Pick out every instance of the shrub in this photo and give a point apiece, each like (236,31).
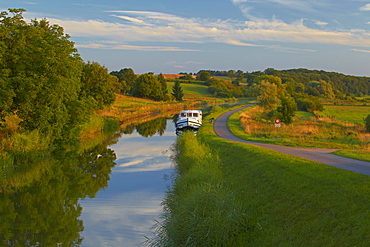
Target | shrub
(367,123)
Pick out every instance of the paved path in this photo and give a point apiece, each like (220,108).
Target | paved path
(316,154)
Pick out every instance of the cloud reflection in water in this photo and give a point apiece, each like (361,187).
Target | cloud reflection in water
(123,213)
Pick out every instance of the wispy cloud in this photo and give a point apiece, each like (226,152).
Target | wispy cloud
(321,23)
(144,26)
(366,51)
(104,45)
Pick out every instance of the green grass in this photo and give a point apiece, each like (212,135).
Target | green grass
(233,194)
(192,91)
(354,154)
(304,115)
(353,114)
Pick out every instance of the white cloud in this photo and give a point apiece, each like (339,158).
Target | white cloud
(366,51)
(366,7)
(321,23)
(130,19)
(144,26)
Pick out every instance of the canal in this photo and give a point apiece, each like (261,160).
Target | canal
(107,193)
(124,212)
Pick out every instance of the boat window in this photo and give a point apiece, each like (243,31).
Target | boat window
(183,114)
(195,114)
(189,114)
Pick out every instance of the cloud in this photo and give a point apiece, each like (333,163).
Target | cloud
(239,43)
(321,23)
(366,51)
(366,7)
(144,26)
(103,45)
(128,216)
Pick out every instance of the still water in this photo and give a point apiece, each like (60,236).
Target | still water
(123,213)
(104,194)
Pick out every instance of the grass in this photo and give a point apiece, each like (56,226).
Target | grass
(352,114)
(307,130)
(233,194)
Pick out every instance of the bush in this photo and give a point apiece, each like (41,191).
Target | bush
(367,123)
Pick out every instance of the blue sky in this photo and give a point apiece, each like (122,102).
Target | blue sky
(171,36)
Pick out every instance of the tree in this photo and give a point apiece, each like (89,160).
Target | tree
(231,73)
(268,97)
(223,88)
(287,109)
(367,123)
(187,77)
(203,76)
(148,86)
(41,70)
(126,78)
(97,83)
(177,91)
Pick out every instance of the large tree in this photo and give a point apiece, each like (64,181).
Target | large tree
(41,70)
(148,86)
(286,110)
(126,78)
(97,83)
(203,76)
(269,96)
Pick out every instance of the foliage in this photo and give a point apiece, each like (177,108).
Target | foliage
(308,103)
(187,77)
(42,72)
(225,89)
(367,123)
(287,109)
(268,97)
(177,91)
(149,86)
(341,84)
(126,78)
(203,76)
(97,83)
(43,79)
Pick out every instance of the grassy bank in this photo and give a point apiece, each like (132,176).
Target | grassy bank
(232,194)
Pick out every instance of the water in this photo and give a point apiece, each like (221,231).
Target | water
(107,194)
(123,214)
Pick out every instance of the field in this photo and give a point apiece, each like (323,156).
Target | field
(194,92)
(338,127)
(352,114)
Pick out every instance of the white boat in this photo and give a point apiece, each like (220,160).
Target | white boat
(189,120)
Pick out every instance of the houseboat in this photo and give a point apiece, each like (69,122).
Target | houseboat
(189,120)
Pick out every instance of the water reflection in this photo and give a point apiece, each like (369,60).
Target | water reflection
(102,196)
(135,191)
(44,212)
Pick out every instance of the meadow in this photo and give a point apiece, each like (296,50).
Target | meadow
(337,127)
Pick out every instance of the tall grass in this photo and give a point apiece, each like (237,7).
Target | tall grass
(199,209)
(322,131)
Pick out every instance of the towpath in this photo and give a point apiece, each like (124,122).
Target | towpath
(317,154)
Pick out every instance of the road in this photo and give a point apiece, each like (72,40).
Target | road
(317,154)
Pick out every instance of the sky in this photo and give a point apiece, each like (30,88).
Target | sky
(172,36)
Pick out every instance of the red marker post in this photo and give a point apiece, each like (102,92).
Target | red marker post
(277,126)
